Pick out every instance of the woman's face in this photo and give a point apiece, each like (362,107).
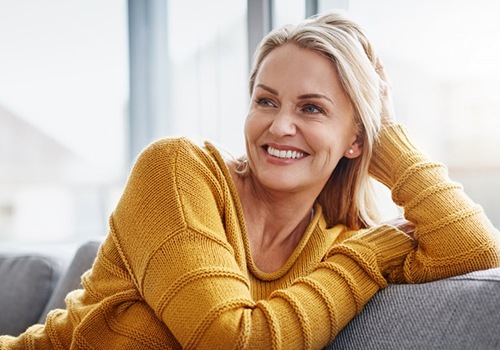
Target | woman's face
(300,122)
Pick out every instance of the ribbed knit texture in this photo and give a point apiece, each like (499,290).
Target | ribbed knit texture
(454,235)
(175,270)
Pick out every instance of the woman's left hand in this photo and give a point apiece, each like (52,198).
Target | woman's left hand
(403,225)
(387,110)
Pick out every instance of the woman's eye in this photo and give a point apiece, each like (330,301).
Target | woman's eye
(312,109)
(264,102)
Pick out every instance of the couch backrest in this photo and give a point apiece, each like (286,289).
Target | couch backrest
(71,280)
(26,283)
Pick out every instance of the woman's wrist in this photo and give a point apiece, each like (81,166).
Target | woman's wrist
(393,153)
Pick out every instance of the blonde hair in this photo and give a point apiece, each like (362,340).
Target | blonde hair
(348,197)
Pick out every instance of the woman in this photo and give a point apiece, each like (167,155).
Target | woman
(279,249)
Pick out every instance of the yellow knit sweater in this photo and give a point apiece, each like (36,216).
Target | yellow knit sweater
(175,270)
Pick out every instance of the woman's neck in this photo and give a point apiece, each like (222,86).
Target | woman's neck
(275,222)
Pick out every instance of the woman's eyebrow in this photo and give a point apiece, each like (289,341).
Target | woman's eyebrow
(267,88)
(306,96)
(301,97)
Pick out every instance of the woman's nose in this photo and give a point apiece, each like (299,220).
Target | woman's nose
(283,124)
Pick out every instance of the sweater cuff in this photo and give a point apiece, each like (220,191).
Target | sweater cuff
(384,246)
(393,153)
(390,244)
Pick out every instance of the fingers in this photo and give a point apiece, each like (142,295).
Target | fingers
(379,68)
(403,225)
(387,109)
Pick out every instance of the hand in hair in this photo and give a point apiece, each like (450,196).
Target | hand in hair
(387,110)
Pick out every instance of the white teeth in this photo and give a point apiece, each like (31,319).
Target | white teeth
(284,154)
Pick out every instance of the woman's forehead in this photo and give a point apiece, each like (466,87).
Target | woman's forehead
(302,70)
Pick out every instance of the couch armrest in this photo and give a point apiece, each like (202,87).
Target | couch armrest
(462,312)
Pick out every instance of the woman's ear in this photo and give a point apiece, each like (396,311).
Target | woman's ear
(354,150)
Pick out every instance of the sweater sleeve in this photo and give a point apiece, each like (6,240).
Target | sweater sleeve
(454,235)
(170,229)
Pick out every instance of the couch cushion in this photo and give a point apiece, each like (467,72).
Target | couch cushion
(462,312)
(71,279)
(26,283)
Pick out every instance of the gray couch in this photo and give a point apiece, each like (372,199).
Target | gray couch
(458,313)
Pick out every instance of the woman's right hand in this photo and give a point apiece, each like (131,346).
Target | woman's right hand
(387,111)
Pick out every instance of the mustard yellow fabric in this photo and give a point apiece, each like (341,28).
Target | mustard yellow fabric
(175,270)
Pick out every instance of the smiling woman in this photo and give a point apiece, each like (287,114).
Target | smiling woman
(202,256)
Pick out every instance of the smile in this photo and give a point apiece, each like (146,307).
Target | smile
(284,154)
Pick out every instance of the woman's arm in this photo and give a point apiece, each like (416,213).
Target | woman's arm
(171,228)
(454,235)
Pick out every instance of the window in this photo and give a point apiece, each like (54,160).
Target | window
(288,11)
(209,71)
(63,106)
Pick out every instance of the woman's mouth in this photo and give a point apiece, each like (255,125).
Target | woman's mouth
(284,154)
